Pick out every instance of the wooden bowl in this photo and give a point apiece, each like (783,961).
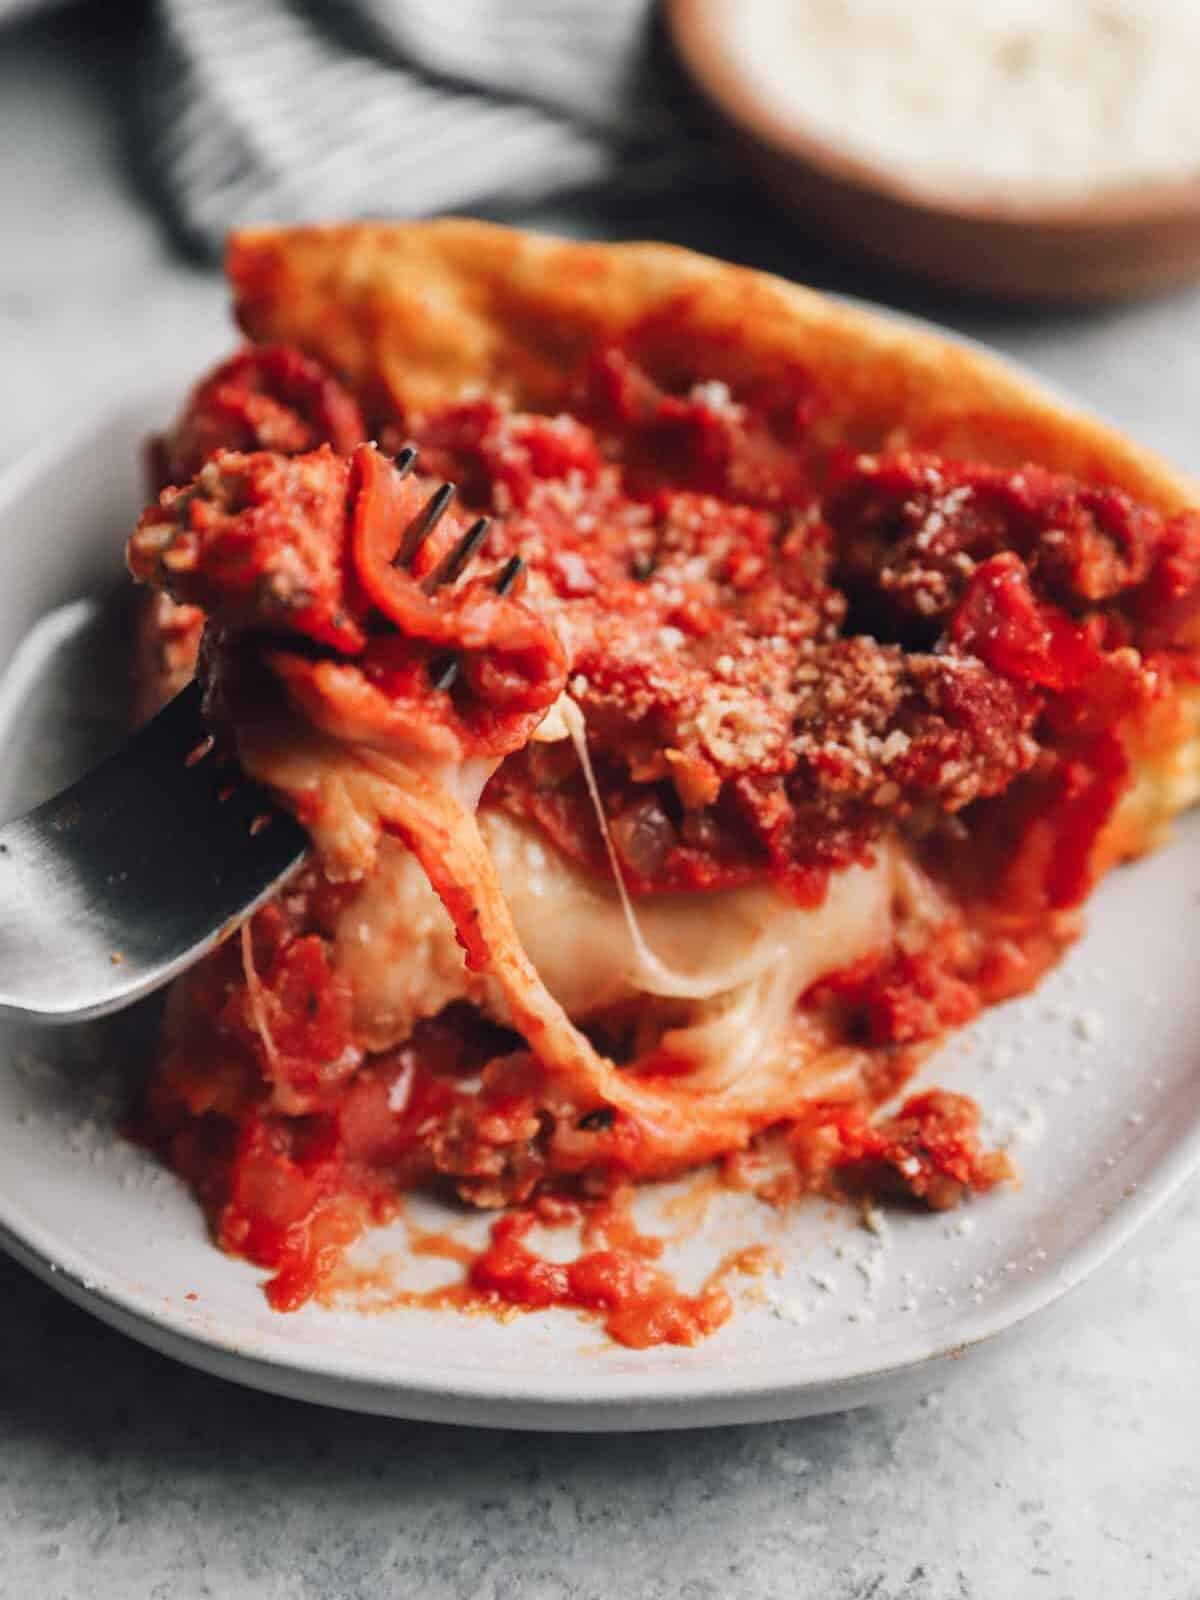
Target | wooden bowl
(1109,247)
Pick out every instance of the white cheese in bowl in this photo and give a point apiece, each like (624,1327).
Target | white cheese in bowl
(1017,99)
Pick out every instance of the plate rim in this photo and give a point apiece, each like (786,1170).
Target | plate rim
(555,1402)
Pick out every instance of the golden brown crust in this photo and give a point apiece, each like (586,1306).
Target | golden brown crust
(414,313)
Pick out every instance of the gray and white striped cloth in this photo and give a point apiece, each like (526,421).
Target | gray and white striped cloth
(291,110)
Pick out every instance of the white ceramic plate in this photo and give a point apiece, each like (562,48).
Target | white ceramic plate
(1094,1078)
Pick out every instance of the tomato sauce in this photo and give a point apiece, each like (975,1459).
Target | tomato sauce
(615,1279)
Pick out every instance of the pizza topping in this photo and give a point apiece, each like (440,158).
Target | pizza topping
(266,397)
(769,675)
(912,530)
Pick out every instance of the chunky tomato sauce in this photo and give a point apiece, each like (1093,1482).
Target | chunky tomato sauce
(784,656)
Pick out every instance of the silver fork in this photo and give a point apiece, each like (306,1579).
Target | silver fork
(123,880)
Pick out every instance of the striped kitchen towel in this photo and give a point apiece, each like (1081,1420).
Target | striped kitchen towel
(296,109)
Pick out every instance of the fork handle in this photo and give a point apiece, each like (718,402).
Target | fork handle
(110,888)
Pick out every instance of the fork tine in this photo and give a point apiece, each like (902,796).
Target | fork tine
(423,524)
(405,460)
(444,669)
(509,574)
(455,559)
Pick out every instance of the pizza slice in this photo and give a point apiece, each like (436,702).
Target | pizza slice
(806,676)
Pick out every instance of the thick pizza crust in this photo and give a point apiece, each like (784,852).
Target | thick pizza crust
(414,315)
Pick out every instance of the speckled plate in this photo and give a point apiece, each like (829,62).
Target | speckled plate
(1092,1082)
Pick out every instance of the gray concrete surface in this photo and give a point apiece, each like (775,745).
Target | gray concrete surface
(1069,1469)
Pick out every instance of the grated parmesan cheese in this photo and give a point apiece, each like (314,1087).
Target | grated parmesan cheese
(1088,1026)
(1015,98)
(789,1308)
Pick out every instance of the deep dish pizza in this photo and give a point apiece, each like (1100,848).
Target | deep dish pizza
(767,698)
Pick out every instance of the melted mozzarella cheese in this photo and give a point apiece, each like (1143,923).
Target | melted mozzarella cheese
(746,1027)
(396,944)
(748,953)
(717,975)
